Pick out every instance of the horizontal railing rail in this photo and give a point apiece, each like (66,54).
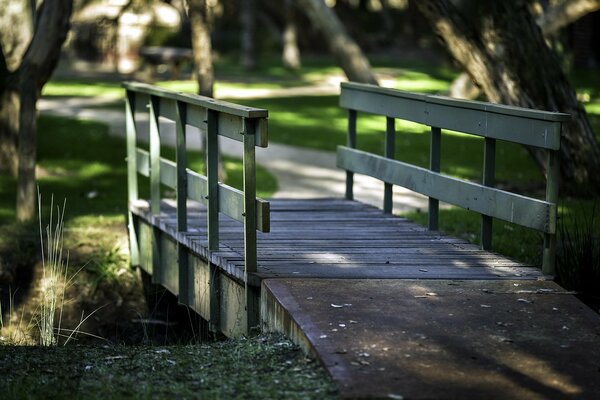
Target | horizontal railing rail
(534,128)
(214,118)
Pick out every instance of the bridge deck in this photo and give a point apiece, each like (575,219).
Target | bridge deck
(337,238)
(390,309)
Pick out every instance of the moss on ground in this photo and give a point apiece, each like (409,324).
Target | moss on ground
(266,367)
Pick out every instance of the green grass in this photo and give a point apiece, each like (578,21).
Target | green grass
(78,158)
(259,368)
(512,240)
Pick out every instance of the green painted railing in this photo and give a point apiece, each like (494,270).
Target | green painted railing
(534,128)
(216,118)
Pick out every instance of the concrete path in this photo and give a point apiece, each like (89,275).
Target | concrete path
(442,339)
(300,172)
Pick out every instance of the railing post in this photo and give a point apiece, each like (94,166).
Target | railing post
(212,174)
(250,256)
(132,179)
(489,172)
(434,165)
(154,156)
(352,144)
(155,185)
(553,168)
(181,163)
(390,150)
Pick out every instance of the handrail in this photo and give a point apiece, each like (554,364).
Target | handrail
(216,118)
(535,128)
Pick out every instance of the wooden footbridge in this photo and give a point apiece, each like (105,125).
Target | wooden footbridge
(390,308)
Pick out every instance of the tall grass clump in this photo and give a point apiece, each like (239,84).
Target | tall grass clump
(578,256)
(55,268)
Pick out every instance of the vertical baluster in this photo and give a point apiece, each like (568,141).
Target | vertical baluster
(249,195)
(132,179)
(352,144)
(390,149)
(434,165)
(489,173)
(181,163)
(212,173)
(250,257)
(154,156)
(155,186)
(553,168)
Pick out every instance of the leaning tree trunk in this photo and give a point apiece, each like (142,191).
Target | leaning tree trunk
(346,52)
(551,21)
(512,64)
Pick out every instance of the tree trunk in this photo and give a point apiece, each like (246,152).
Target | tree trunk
(551,21)
(291,53)
(201,47)
(22,77)
(26,183)
(9,131)
(511,63)
(346,52)
(203,63)
(248,42)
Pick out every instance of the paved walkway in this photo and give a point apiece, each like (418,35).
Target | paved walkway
(300,172)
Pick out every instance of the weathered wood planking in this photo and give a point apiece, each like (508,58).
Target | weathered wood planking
(337,239)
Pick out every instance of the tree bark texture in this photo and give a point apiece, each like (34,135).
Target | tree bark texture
(550,21)
(248,33)
(347,53)
(291,54)
(511,63)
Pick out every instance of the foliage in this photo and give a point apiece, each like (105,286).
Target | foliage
(578,259)
(258,368)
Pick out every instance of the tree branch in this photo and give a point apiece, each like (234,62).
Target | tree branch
(564,13)
(43,53)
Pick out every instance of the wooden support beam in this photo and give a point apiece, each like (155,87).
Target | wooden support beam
(435,148)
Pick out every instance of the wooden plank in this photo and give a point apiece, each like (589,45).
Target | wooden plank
(212,172)
(514,124)
(489,172)
(206,102)
(230,126)
(389,152)
(249,178)
(231,200)
(435,154)
(154,155)
(497,203)
(351,142)
(168,109)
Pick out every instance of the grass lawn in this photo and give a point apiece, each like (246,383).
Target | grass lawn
(267,367)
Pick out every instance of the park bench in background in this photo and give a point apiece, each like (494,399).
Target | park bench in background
(534,128)
(172,57)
